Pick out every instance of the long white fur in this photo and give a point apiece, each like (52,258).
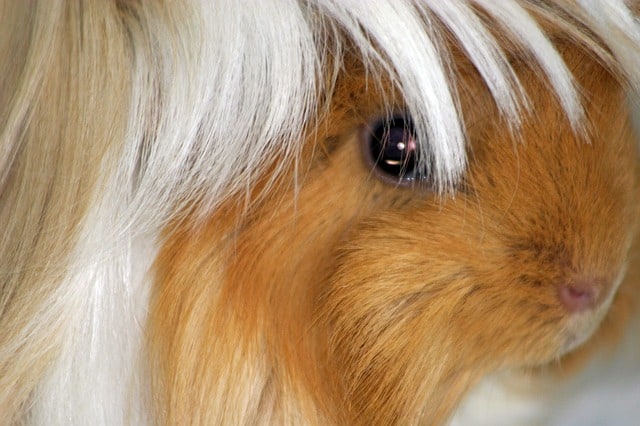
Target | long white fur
(218,89)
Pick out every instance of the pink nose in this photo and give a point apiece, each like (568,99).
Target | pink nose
(580,295)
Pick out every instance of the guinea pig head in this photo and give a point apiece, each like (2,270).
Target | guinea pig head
(385,300)
(518,268)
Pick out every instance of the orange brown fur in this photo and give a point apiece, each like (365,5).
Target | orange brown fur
(345,300)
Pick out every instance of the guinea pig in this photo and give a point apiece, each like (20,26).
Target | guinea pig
(318,212)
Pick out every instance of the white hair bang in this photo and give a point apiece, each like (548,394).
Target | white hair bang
(215,103)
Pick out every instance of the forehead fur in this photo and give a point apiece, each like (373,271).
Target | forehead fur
(260,88)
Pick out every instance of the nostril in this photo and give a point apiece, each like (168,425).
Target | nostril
(579,296)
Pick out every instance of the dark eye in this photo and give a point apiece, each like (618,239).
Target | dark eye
(391,148)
